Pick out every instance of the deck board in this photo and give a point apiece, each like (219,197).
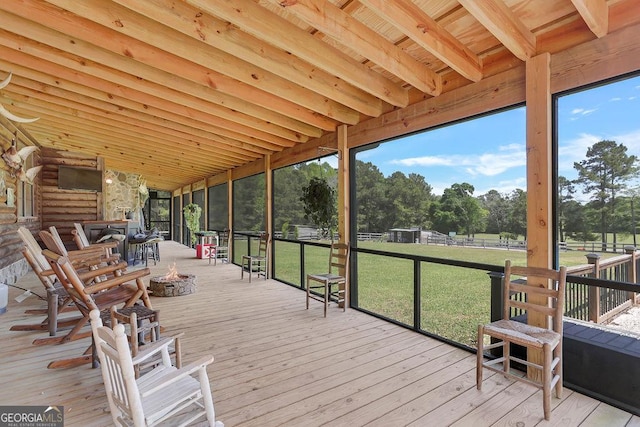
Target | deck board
(277,363)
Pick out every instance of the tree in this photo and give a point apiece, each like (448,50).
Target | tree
(408,199)
(497,207)
(566,189)
(604,173)
(517,221)
(371,200)
(460,211)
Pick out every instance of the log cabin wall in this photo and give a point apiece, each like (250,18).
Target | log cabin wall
(12,264)
(61,208)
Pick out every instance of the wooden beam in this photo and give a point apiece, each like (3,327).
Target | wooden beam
(595,13)
(347,30)
(266,25)
(190,114)
(428,34)
(121,69)
(51,98)
(217,33)
(496,17)
(184,52)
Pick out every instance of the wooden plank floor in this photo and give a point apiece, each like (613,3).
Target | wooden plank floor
(278,364)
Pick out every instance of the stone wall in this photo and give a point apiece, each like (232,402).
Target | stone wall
(125,194)
(12,272)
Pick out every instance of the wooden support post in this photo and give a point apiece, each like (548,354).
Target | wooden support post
(230,215)
(268,203)
(539,181)
(343,195)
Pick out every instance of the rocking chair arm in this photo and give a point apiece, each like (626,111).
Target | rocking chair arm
(176,374)
(151,349)
(107,269)
(116,281)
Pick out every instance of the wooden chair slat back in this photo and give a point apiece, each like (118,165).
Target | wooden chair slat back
(53,241)
(339,258)
(117,366)
(540,283)
(79,237)
(52,259)
(33,247)
(264,243)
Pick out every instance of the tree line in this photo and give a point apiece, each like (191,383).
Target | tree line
(404,201)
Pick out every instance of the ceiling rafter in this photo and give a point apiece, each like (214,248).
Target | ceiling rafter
(595,13)
(342,27)
(214,32)
(496,17)
(221,116)
(428,34)
(165,81)
(185,51)
(108,91)
(266,25)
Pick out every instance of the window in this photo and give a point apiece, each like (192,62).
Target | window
(25,193)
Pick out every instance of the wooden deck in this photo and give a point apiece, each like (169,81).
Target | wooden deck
(278,364)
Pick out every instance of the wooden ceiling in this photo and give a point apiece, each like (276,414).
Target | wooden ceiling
(178,91)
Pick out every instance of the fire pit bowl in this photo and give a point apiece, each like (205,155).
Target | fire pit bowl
(173,286)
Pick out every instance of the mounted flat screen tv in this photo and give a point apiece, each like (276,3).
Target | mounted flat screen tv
(73,178)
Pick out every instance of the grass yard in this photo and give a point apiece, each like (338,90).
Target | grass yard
(453,300)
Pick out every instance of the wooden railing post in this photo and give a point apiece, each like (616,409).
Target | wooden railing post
(594,291)
(633,269)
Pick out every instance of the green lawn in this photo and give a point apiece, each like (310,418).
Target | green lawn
(453,300)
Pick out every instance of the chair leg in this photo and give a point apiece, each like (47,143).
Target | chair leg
(52,312)
(326,297)
(480,357)
(557,352)
(308,293)
(546,381)
(506,353)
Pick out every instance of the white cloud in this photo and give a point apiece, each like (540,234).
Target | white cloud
(487,164)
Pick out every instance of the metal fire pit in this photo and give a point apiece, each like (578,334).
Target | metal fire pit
(162,286)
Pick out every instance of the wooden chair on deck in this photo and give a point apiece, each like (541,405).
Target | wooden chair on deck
(221,249)
(539,298)
(165,395)
(257,263)
(57,298)
(335,277)
(82,242)
(124,289)
(57,245)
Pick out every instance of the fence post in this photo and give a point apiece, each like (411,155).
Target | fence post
(633,271)
(594,291)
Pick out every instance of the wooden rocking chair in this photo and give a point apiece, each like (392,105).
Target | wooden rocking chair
(82,242)
(116,290)
(57,298)
(166,394)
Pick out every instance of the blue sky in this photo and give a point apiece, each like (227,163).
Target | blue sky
(489,152)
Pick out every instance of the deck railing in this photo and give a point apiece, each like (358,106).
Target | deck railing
(597,304)
(586,300)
